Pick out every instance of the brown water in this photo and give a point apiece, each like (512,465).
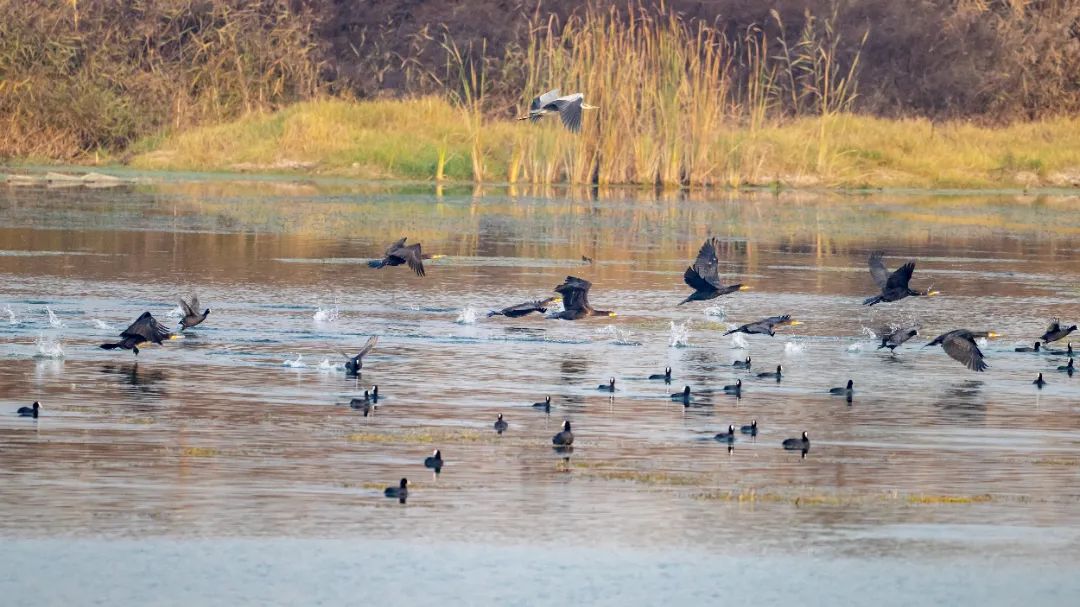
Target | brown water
(230,457)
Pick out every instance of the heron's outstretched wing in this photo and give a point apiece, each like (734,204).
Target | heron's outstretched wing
(148,328)
(543,100)
(878,269)
(190,309)
(964,349)
(901,277)
(570,112)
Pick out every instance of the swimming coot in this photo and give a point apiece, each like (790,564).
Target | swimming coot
(797,444)
(564,438)
(31,411)
(500,424)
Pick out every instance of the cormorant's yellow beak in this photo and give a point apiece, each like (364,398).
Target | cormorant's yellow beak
(611,314)
(796,322)
(174,336)
(437,256)
(744,288)
(932,293)
(992,334)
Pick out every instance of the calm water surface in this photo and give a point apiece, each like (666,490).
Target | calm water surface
(226,468)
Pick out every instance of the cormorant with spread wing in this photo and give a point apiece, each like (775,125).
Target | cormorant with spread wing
(894,287)
(894,338)
(575,296)
(704,277)
(524,309)
(765,326)
(145,329)
(398,253)
(960,345)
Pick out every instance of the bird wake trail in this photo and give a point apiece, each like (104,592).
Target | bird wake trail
(295,364)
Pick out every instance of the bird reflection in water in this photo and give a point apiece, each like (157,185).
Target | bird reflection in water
(144,381)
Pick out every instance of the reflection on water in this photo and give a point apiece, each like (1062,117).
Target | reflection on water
(240,430)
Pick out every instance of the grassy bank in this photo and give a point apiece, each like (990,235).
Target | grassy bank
(428,137)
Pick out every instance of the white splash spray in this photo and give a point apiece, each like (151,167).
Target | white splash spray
(467,316)
(11,315)
(738,342)
(715,312)
(326,365)
(102,325)
(855,348)
(295,364)
(680,335)
(622,337)
(791,348)
(54,322)
(326,314)
(176,312)
(48,348)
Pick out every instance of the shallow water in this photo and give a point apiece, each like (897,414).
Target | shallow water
(234,450)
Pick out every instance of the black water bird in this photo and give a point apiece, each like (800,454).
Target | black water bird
(353,364)
(894,287)
(564,438)
(374,394)
(1066,352)
(683,397)
(399,253)
(1055,331)
(726,437)
(401,492)
(735,388)
(666,375)
(366,405)
(145,329)
(848,390)
(960,345)
(797,444)
(779,373)
(750,429)
(500,424)
(608,387)
(524,309)
(1036,348)
(192,316)
(546,405)
(575,295)
(765,326)
(1039,381)
(1069,368)
(893,338)
(704,278)
(434,462)
(742,364)
(31,411)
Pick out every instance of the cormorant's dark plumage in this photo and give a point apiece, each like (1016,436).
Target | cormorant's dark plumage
(575,295)
(398,253)
(893,338)
(524,309)
(765,326)
(894,287)
(960,345)
(145,329)
(704,278)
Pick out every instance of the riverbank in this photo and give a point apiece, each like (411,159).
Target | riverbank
(429,139)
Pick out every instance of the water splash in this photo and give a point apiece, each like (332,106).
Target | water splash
(11,315)
(48,348)
(791,348)
(680,335)
(467,316)
(102,325)
(54,322)
(622,337)
(326,365)
(868,332)
(176,312)
(295,364)
(738,342)
(855,348)
(715,312)
(326,314)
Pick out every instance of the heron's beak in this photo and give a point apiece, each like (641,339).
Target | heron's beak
(744,288)
(795,322)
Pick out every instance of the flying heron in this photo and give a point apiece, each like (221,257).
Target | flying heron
(568,108)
